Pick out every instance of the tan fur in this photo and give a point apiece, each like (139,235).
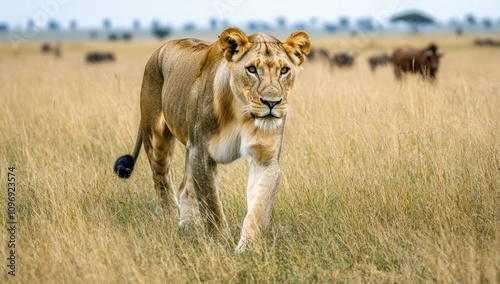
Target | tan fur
(205,96)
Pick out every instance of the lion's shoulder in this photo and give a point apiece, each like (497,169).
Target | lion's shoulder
(211,60)
(189,51)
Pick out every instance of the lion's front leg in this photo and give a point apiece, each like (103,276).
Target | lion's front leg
(204,174)
(262,189)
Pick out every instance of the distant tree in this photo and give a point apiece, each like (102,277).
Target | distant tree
(53,25)
(344,22)
(106,23)
(300,26)
(3,27)
(73,25)
(213,24)
(136,24)
(330,28)
(313,21)
(224,24)
(189,27)
(487,24)
(281,22)
(258,26)
(471,20)
(265,26)
(93,34)
(155,24)
(253,26)
(162,32)
(366,25)
(31,24)
(413,18)
(454,22)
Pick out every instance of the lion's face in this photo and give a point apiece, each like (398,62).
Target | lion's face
(263,72)
(263,83)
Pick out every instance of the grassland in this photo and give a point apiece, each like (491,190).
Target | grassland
(382,181)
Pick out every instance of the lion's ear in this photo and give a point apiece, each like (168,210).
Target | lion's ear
(232,40)
(298,46)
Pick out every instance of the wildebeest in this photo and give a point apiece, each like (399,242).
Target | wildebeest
(410,59)
(51,48)
(46,48)
(318,54)
(96,57)
(342,59)
(379,60)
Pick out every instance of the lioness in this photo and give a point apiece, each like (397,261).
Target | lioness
(223,101)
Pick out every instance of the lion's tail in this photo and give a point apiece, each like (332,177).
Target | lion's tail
(124,165)
(151,88)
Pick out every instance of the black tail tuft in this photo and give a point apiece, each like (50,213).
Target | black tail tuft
(124,166)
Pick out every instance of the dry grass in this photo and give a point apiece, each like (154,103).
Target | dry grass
(382,181)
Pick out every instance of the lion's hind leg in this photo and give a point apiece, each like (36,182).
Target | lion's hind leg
(159,144)
(188,204)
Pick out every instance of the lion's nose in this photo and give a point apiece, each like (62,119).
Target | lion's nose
(269,103)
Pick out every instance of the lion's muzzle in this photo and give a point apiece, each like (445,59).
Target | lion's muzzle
(270,103)
(269,113)
(269,108)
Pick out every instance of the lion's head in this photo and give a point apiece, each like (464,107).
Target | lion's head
(263,71)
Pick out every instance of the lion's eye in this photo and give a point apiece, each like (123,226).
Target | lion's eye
(284,70)
(252,69)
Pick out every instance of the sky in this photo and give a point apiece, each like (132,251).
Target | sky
(122,13)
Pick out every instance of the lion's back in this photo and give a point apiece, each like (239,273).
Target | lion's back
(180,59)
(179,62)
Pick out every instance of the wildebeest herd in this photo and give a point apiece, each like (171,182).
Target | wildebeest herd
(90,57)
(341,59)
(404,59)
(487,42)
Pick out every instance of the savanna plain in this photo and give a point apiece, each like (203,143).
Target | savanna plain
(382,181)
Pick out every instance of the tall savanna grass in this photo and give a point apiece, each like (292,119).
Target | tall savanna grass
(383,181)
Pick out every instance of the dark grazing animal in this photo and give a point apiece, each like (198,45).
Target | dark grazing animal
(487,42)
(318,54)
(97,57)
(46,47)
(379,60)
(49,48)
(342,59)
(410,59)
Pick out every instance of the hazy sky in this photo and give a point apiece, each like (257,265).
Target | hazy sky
(123,12)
